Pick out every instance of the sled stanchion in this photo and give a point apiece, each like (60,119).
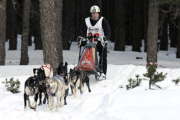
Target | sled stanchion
(79,54)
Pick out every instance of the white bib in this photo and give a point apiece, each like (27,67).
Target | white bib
(96,29)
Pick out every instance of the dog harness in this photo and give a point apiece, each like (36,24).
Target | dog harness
(49,67)
(57,77)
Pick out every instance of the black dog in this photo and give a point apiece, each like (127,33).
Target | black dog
(30,89)
(62,71)
(42,87)
(78,78)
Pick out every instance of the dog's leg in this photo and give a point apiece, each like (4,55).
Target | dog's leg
(35,101)
(66,94)
(71,89)
(25,97)
(49,99)
(52,102)
(40,98)
(75,92)
(45,97)
(29,105)
(82,88)
(87,83)
(58,100)
(62,100)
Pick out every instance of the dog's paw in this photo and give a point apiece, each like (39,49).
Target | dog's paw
(44,101)
(39,104)
(50,108)
(57,110)
(25,107)
(61,105)
(32,107)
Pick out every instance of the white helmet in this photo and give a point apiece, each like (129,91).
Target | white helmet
(94,8)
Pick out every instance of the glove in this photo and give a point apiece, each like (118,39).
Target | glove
(98,38)
(103,41)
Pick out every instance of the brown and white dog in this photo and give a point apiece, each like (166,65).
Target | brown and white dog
(56,87)
(77,80)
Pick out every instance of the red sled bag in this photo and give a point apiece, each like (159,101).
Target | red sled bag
(89,60)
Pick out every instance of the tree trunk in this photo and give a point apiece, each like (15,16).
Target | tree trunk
(51,19)
(78,18)
(68,32)
(120,25)
(36,25)
(173,30)
(2,31)
(58,12)
(129,21)
(112,20)
(163,35)
(106,9)
(29,37)
(11,32)
(178,42)
(152,31)
(146,7)
(137,26)
(25,33)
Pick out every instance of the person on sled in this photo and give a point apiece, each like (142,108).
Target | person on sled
(97,25)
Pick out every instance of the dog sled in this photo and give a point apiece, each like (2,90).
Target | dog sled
(88,58)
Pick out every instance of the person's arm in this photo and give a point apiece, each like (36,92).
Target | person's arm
(83,30)
(107,29)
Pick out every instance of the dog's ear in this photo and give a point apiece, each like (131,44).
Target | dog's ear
(61,64)
(66,64)
(60,67)
(35,70)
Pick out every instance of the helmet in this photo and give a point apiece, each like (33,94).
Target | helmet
(94,8)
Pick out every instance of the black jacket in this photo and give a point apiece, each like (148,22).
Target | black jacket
(105,26)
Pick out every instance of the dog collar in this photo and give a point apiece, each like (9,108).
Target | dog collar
(53,94)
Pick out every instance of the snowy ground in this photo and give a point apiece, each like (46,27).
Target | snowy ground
(107,101)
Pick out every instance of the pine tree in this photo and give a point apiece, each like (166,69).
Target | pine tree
(134,82)
(12,86)
(154,77)
(176,81)
(2,31)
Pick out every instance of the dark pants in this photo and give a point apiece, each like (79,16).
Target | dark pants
(103,58)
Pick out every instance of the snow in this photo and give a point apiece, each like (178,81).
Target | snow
(109,99)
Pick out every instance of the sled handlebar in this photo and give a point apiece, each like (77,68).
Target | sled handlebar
(103,39)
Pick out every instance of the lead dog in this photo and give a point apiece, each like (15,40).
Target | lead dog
(30,89)
(77,80)
(56,87)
